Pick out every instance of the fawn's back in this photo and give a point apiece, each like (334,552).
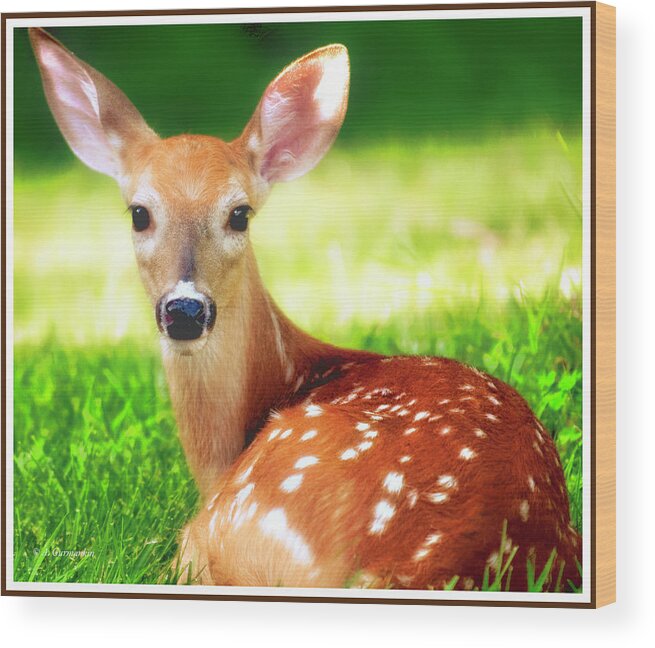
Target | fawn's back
(396,471)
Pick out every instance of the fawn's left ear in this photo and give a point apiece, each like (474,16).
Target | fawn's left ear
(97,120)
(299,115)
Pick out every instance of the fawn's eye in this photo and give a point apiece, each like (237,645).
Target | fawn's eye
(239,218)
(140,218)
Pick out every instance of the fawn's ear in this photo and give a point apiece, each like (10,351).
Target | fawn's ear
(97,120)
(299,115)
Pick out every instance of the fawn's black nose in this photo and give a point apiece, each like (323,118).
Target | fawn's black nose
(185,318)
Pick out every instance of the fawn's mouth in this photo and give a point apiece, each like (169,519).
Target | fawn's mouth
(185,316)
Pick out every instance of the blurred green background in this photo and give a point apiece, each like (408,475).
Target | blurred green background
(446,220)
(460,150)
(410,79)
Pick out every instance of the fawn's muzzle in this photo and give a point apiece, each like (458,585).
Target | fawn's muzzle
(183,318)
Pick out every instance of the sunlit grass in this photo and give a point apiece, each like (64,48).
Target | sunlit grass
(471,251)
(98,466)
(367,235)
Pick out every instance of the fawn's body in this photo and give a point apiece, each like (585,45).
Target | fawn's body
(386,472)
(363,470)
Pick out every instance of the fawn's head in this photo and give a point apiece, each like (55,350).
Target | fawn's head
(190,196)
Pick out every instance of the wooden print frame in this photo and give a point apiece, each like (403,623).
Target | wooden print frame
(597,281)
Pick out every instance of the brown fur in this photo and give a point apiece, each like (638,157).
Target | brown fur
(512,475)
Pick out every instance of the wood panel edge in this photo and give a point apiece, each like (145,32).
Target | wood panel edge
(605,304)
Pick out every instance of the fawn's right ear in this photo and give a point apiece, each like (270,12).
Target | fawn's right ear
(97,120)
(299,115)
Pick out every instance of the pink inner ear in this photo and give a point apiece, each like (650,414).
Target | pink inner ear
(71,83)
(301,112)
(73,99)
(289,116)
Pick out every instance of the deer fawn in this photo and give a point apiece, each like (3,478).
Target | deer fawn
(359,469)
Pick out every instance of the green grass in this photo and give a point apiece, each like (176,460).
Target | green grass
(468,251)
(99,467)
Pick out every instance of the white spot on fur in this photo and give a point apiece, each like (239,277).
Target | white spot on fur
(420,554)
(362,427)
(491,417)
(445,430)
(245,474)
(286,434)
(274,433)
(445,401)
(447,481)
(432,539)
(291,483)
(274,524)
(313,410)
(456,410)
(310,434)
(410,430)
(210,506)
(304,462)
(403,412)
(348,454)
(531,484)
(493,400)
(434,418)
(481,434)
(421,415)
(467,454)
(242,516)
(235,512)
(393,482)
(437,498)
(365,445)
(524,510)
(405,459)
(244,493)
(383,512)
(371,434)
(467,387)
